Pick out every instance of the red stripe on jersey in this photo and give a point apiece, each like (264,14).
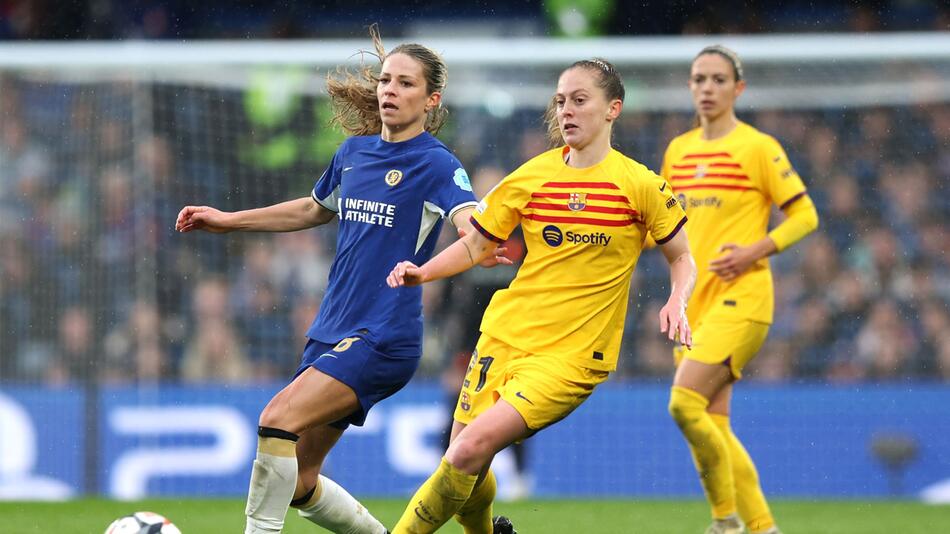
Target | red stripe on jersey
(713,164)
(590,196)
(708,155)
(712,186)
(588,208)
(574,185)
(710,175)
(580,220)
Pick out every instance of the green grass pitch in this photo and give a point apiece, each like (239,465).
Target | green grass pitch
(195,516)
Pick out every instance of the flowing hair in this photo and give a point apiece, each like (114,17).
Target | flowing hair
(353,94)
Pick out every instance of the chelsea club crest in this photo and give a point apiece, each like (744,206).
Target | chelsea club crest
(393,177)
(577,201)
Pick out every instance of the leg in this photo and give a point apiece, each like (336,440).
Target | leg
(312,399)
(475,516)
(694,384)
(448,489)
(321,500)
(753,508)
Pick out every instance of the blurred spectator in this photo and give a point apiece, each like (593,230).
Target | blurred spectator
(216,352)
(886,345)
(136,349)
(77,355)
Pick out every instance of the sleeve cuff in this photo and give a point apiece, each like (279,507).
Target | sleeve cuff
(460,207)
(313,195)
(488,235)
(673,233)
(792,200)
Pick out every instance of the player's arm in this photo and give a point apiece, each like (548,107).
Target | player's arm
(682,280)
(283,217)
(463,222)
(470,250)
(801,219)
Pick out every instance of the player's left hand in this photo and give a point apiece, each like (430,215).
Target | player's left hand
(673,322)
(405,273)
(736,261)
(497,258)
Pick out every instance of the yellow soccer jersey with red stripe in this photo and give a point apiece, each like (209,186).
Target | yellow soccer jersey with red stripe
(584,230)
(727,187)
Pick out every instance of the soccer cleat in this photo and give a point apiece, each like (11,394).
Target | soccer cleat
(727,525)
(502,525)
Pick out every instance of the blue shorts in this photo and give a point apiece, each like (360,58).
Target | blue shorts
(372,375)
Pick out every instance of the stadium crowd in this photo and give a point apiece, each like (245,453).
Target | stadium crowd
(95,285)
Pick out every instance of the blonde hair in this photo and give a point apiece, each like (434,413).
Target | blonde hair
(353,95)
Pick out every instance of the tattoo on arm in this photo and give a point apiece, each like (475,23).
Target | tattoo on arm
(471,259)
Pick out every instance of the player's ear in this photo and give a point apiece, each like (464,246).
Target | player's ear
(740,87)
(614,109)
(433,101)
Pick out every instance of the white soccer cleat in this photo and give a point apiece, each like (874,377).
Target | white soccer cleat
(727,525)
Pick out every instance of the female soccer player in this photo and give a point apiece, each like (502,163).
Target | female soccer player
(727,174)
(554,334)
(390,186)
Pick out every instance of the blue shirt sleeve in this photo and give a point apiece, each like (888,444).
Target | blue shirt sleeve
(326,191)
(452,189)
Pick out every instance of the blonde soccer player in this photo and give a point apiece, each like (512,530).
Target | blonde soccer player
(389,187)
(550,338)
(727,175)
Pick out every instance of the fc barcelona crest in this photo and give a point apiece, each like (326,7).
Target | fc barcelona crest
(393,177)
(701,170)
(577,201)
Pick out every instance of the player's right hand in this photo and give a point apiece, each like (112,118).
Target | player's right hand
(405,273)
(201,218)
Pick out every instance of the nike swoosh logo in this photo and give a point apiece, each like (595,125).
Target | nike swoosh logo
(663,187)
(520,396)
(328,355)
(346,169)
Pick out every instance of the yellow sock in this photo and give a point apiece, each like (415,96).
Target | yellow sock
(475,514)
(436,501)
(710,453)
(753,509)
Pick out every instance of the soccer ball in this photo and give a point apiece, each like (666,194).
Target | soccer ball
(142,523)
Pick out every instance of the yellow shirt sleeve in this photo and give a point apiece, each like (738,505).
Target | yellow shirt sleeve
(662,214)
(499,213)
(781,182)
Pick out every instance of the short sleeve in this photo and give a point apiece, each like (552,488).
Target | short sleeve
(326,191)
(660,211)
(452,189)
(780,180)
(500,212)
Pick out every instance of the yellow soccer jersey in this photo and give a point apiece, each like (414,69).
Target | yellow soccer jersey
(727,187)
(584,230)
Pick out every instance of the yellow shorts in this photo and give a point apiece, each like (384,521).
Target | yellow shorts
(725,339)
(543,389)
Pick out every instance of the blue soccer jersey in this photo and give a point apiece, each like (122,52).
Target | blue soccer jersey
(391,199)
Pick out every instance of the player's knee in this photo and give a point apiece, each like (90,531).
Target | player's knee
(270,417)
(468,453)
(275,415)
(685,406)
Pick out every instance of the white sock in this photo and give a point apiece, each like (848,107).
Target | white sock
(337,511)
(273,481)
